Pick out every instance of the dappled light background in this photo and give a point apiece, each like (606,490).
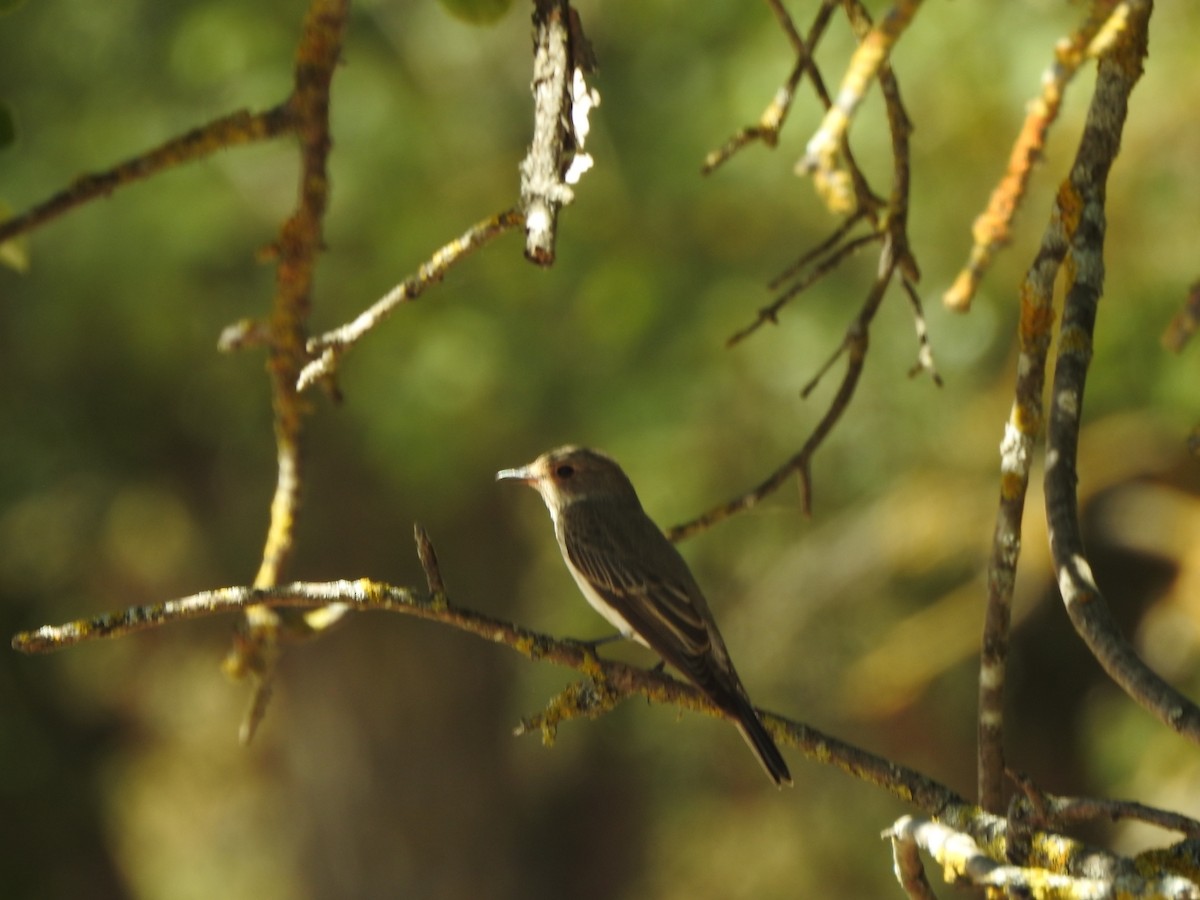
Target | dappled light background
(137,464)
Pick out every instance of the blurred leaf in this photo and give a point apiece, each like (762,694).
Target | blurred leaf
(7,6)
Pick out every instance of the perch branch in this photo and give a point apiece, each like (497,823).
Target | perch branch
(607,684)
(619,679)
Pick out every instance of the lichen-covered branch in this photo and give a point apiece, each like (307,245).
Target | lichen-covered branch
(1118,71)
(821,156)
(991,228)
(964,861)
(1016,459)
(1075,228)
(561,103)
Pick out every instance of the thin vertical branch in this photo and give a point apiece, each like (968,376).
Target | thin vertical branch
(1016,458)
(297,248)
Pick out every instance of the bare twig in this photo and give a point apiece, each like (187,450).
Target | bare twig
(235,129)
(991,228)
(329,347)
(770,312)
(1048,811)
(429,562)
(854,345)
(771,121)
(890,230)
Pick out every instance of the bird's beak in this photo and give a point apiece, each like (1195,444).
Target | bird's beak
(525,474)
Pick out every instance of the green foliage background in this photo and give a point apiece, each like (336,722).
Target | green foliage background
(136,463)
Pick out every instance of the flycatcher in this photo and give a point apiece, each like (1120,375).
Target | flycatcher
(634,577)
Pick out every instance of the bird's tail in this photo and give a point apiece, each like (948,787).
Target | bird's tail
(761,742)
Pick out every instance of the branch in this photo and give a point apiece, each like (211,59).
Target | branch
(1117,73)
(992,226)
(332,344)
(1050,811)
(820,159)
(771,121)
(235,129)
(963,860)
(891,231)
(1081,234)
(619,680)
(561,104)
(854,345)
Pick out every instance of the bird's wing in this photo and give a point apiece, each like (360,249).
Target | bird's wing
(641,575)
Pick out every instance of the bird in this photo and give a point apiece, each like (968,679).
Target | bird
(634,577)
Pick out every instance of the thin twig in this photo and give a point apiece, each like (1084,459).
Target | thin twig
(329,347)
(820,157)
(854,345)
(770,312)
(429,562)
(992,226)
(1048,811)
(771,121)
(235,129)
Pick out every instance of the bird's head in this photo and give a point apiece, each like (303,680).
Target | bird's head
(568,474)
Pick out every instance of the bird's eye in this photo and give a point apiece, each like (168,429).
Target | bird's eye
(564,471)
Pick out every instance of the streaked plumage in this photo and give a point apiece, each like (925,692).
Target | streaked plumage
(634,577)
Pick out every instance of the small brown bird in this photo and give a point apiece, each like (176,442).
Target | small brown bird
(634,577)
